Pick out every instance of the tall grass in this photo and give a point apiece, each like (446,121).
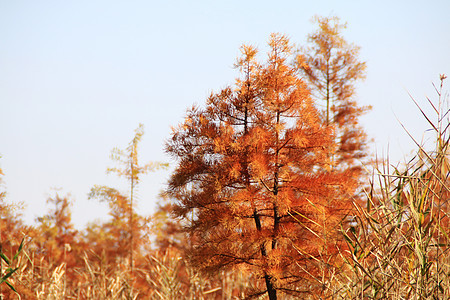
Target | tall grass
(11,267)
(399,241)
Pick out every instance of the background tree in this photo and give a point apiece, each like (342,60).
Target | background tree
(253,177)
(332,68)
(168,232)
(132,171)
(110,240)
(12,231)
(57,232)
(9,225)
(59,243)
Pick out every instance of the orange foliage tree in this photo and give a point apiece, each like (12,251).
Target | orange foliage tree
(254,177)
(57,234)
(120,204)
(168,232)
(57,243)
(11,224)
(110,240)
(332,67)
(11,233)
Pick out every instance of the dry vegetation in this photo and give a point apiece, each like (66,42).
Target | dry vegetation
(399,241)
(393,243)
(398,246)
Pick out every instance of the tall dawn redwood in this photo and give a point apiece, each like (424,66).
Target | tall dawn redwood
(331,66)
(132,171)
(254,178)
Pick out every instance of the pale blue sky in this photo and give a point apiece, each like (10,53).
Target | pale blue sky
(77,77)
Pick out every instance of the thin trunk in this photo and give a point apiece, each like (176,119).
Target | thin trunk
(270,289)
(256,216)
(328,93)
(131,218)
(276,218)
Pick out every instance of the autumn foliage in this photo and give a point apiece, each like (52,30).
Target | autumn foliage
(332,68)
(265,200)
(255,179)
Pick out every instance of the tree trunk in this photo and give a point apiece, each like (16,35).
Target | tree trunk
(271,291)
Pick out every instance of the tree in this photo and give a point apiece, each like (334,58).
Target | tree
(253,177)
(168,232)
(14,237)
(331,67)
(8,229)
(132,171)
(58,242)
(57,232)
(111,240)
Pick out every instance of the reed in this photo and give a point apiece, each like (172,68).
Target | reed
(399,241)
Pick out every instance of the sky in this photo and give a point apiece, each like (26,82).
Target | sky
(77,77)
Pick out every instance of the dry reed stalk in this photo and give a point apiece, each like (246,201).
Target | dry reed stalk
(399,244)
